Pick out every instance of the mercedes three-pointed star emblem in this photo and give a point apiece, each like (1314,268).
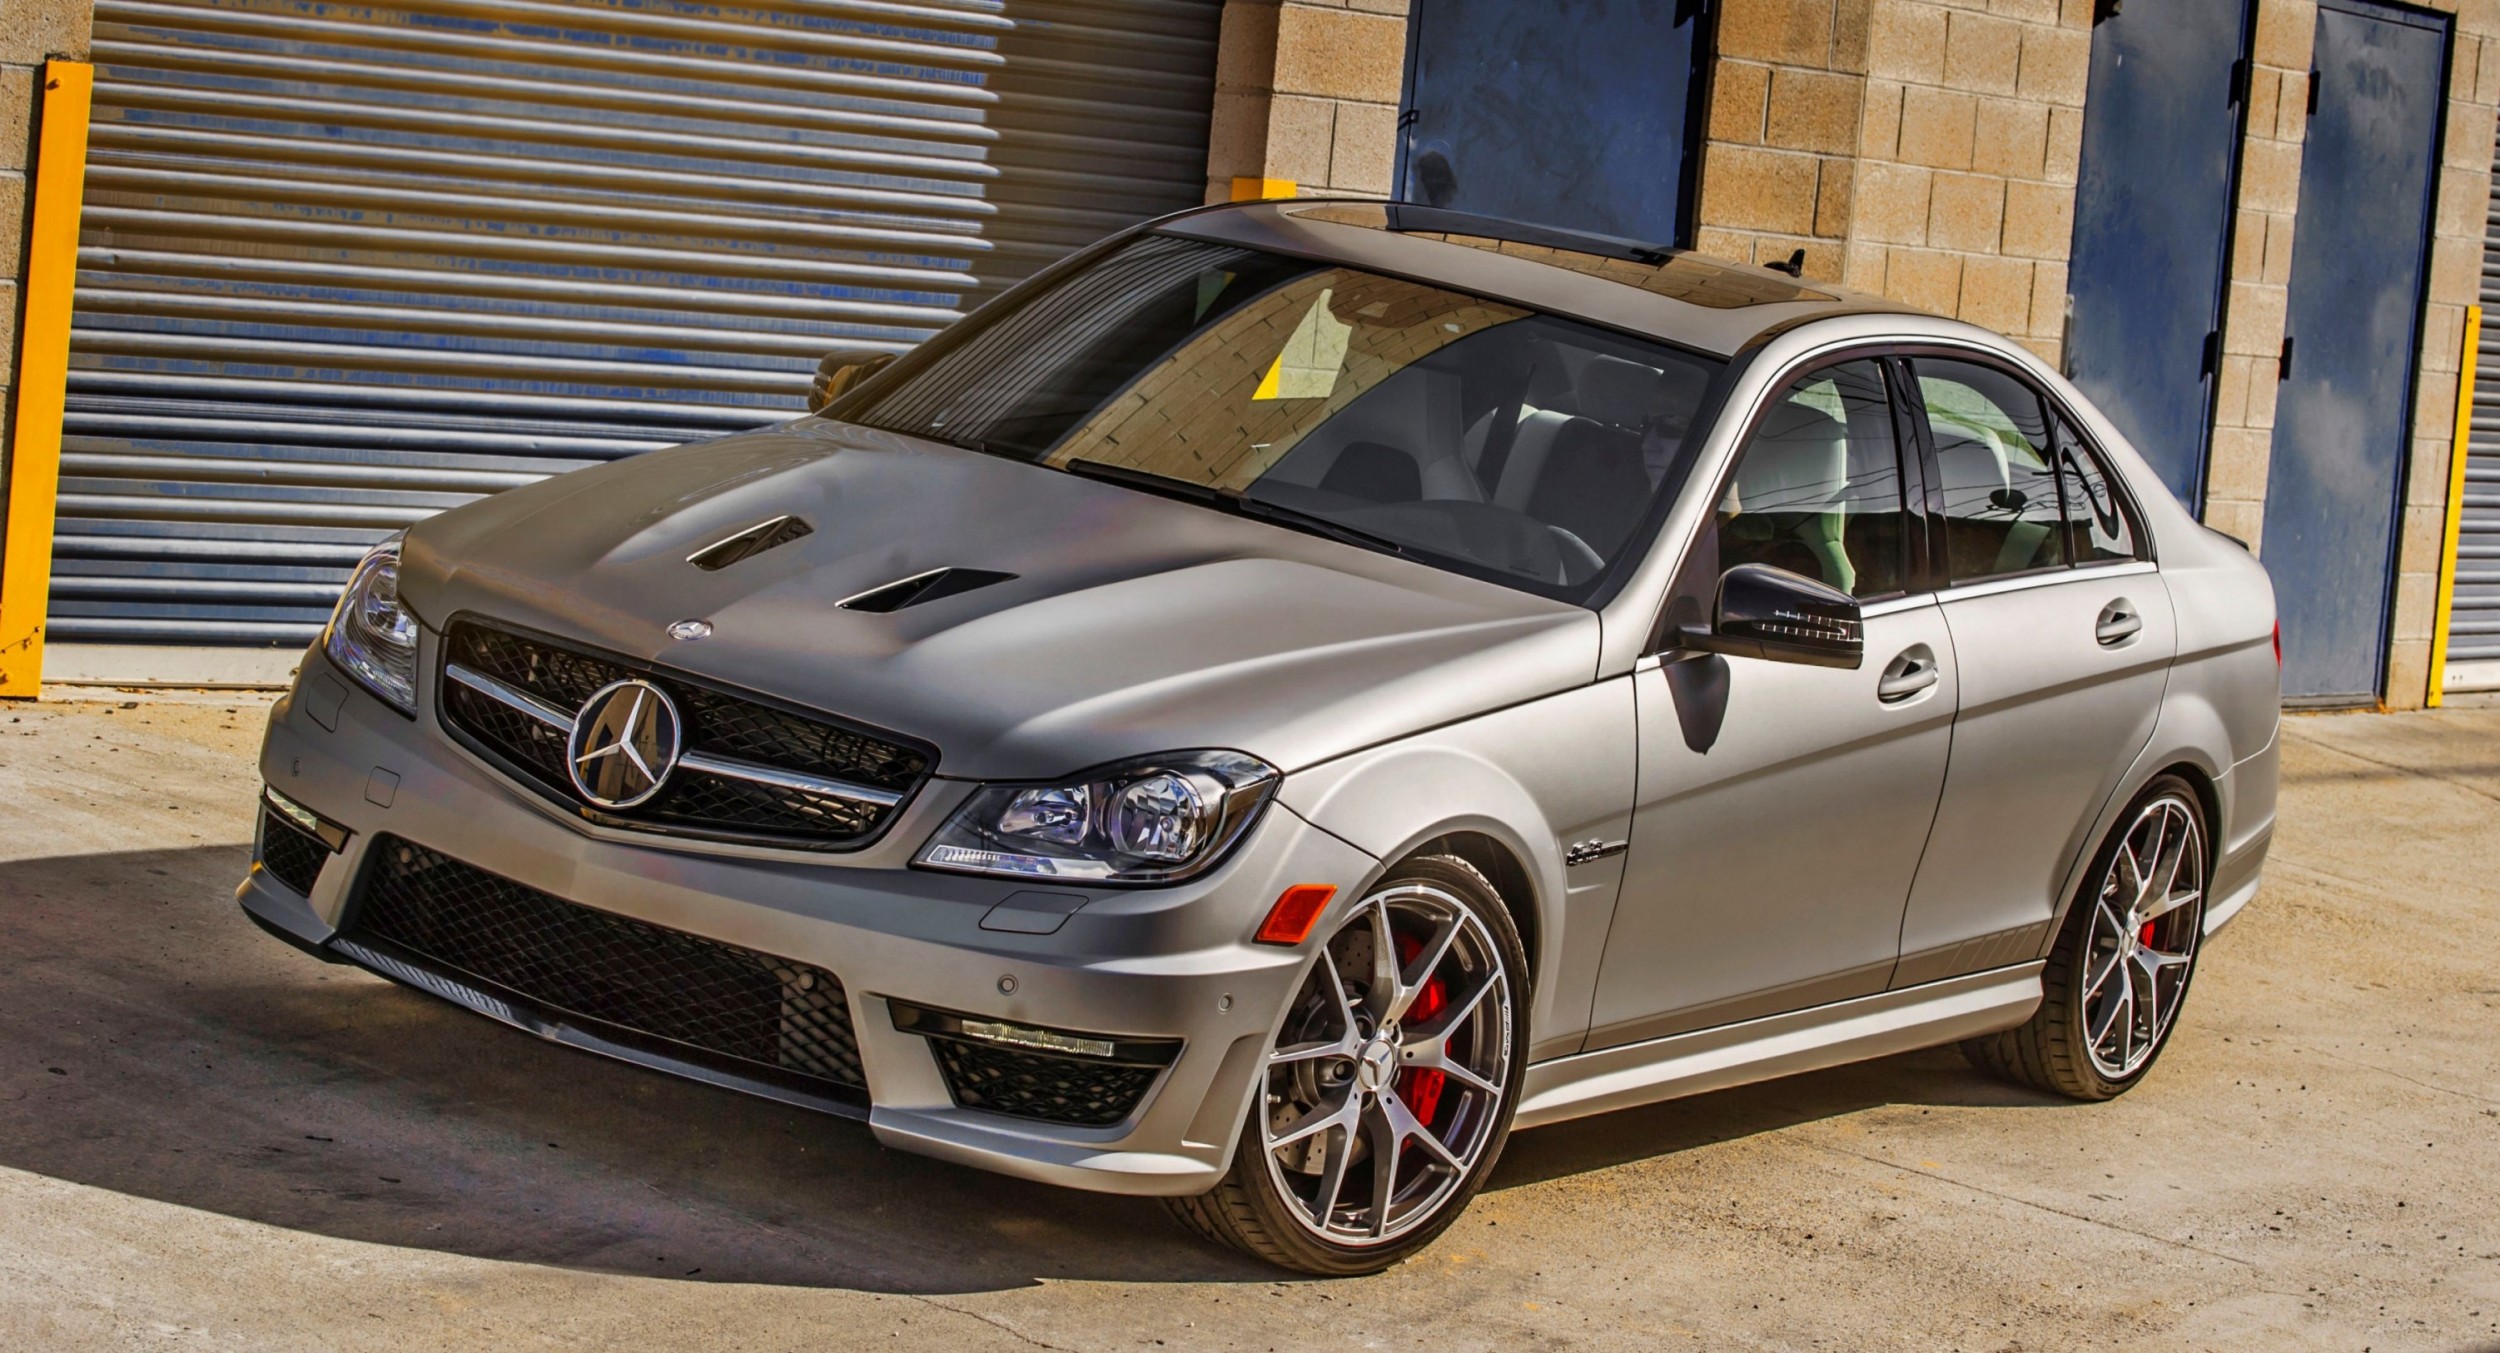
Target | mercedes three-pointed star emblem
(625,742)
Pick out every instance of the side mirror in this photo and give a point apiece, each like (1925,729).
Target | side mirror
(1779,616)
(840,372)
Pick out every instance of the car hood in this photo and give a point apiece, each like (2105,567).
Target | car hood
(1135,624)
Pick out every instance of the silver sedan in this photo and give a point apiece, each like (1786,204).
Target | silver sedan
(1295,692)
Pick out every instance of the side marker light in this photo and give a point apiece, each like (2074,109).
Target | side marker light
(1297,909)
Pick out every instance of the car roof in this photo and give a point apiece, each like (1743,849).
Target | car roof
(1675,295)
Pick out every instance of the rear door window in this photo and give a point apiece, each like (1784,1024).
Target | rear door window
(1996,468)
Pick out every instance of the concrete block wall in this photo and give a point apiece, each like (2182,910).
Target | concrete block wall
(1920,149)
(1306,91)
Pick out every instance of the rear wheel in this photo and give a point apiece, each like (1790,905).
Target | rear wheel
(1388,1094)
(2114,983)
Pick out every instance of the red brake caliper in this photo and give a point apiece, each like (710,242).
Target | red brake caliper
(1421,1089)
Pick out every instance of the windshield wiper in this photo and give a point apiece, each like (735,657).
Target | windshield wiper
(1313,522)
(1239,504)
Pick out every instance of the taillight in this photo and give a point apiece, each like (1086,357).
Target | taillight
(2278,645)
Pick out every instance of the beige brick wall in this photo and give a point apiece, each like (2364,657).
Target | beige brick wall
(1919,149)
(1307,91)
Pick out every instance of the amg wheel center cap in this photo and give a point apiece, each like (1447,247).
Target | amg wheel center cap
(1376,1064)
(625,742)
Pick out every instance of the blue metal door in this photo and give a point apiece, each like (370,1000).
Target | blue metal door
(1574,113)
(2161,139)
(2343,415)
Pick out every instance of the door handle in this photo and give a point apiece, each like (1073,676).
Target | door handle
(1907,675)
(2118,623)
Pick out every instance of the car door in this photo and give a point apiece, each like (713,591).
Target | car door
(2064,633)
(1780,808)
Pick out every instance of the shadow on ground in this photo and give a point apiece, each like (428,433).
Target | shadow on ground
(154,1043)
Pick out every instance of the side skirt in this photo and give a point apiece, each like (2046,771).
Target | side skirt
(1780,1045)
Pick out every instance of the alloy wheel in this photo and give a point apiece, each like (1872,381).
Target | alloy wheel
(2148,915)
(1386,1083)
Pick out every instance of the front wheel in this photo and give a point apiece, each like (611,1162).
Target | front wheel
(2114,983)
(1388,1093)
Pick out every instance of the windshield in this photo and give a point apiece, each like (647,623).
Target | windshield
(1466,433)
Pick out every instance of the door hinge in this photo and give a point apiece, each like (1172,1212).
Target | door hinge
(2105,10)
(2211,360)
(2239,82)
(2283,364)
(2313,91)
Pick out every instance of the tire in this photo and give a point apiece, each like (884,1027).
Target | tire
(1447,1044)
(2090,1040)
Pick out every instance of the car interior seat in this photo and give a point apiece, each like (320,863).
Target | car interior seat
(1787,506)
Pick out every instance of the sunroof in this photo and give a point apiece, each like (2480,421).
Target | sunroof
(1653,268)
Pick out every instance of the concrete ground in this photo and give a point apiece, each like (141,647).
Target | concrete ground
(208,1139)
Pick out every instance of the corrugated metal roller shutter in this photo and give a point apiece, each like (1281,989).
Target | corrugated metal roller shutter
(346,266)
(2474,616)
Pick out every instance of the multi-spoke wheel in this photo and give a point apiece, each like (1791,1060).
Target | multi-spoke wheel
(1389,1089)
(2114,983)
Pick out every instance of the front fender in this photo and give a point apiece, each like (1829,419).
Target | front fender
(1533,779)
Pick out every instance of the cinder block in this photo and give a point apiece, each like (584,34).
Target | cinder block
(2076,13)
(1889,203)
(1851,22)
(1925,278)
(2265,91)
(1905,41)
(1982,53)
(2408,672)
(1824,259)
(1879,129)
(1237,136)
(1966,212)
(2065,155)
(2469,135)
(2265,386)
(2270,176)
(1814,110)
(2253,321)
(2248,246)
(1739,92)
(2056,63)
(1834,203)
(2291,111)
(2434,403)
(2048,300)
(2011,137)
(1340,54)
(1733,246)
(2420,540)
(1752,189)
(1301,135)
(1996,294)
(2231,392)
(2285,29)
(12,228)
(2237,517)
(2236,467)
(2487,84)
(2029,11)
(2426,479)
(2047,350)
(2464,203)
(2457,270)
(1365,154)
(2039,220)
(35,29)
(1245,48)
(2279,229)
(1937,127)
(1788,31)
(2443,335)
(17,115)
(1864,268)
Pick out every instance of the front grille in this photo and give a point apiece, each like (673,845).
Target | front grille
(718,723)
(290,854)
(717,1002)
(1078,1091)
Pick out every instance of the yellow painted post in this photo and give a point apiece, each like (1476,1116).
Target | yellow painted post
(2456,506)
(60,181)
(1256,190)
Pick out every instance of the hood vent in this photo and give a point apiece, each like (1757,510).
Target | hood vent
(749,543)
(920,587)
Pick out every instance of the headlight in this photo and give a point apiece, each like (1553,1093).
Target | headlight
(1154,820)
(372,635)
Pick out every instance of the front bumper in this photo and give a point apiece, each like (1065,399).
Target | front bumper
(1160,964)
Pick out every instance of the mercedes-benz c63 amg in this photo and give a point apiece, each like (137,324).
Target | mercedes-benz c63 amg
(1288,696)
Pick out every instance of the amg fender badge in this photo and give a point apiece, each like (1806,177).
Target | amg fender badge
(1586,851)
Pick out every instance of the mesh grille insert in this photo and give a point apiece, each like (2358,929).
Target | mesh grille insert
(717,722)
(1078,1091)
(719,1000)
(290,854)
